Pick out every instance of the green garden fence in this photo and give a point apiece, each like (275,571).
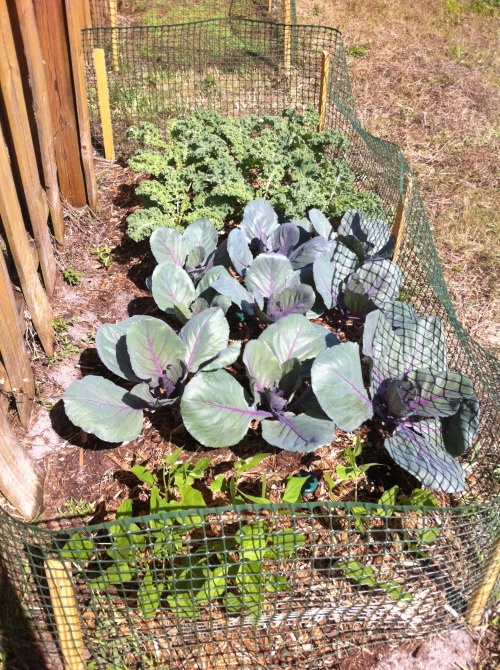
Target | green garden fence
(314,581)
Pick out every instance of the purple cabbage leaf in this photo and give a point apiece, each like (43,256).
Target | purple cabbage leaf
(149,352)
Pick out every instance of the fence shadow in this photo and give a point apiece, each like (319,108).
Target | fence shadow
(19,647)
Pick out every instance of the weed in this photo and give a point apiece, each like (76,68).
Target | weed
(73,507)
(356,51)
(317,9)
(72,276)
(352,471)
(60,325)
(458,53)
(103,255)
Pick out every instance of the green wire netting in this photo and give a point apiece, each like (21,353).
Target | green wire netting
(258,586)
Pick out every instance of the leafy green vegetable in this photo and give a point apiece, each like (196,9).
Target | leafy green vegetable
(210,166)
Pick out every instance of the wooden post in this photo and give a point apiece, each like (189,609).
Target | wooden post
(482,593)
(287,53)
(34,58)
(19,375)
(21,478)
(76,17)
(114,37)
(66,614)
(399,227)
(323,88)
(51,21)
(22,140)
(17,241)
(103,97)
(270,6)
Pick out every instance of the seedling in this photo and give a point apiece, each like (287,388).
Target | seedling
(72,276)
(103,255)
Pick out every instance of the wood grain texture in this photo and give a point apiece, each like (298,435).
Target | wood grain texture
(51,21)
(19,248)
(66,613)
(31,41)
(13,94)
(323,89)
(16,363)
(21,478)
(104,108)
(399,227)
(76,18)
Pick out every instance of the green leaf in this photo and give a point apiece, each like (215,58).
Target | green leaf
(293,490)
(118,573)
(149,594)
(219,484)
(215,399)
(125,510)
(100,407)
(170,285)
(191,498)
(152,347)
(277,583)
(423,498)
(337,382)
(143,474)
(205,336)
(78,549)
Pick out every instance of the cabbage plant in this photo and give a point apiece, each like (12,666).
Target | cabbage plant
(370,239)
(260,232)
(217,410)
(431,410)
(271,289)
(188,263)
(148,353)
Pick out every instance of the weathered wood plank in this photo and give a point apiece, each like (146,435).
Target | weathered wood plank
(66,614)
(20,380)
(323,88)
(38,81)
(104,108)
(17,241)
(21,478)
(50,18)
(77,17)
(11,85)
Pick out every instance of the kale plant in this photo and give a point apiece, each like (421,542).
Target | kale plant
(147,352)
(274,363)
(210,166)
(431,411)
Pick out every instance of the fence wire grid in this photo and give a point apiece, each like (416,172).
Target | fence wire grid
(260,586)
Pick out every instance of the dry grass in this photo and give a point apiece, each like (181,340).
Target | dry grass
(427,77)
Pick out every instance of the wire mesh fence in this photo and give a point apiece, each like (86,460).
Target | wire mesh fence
(138,12)
(269,586)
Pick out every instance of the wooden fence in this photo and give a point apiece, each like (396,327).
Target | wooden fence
(45,155)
